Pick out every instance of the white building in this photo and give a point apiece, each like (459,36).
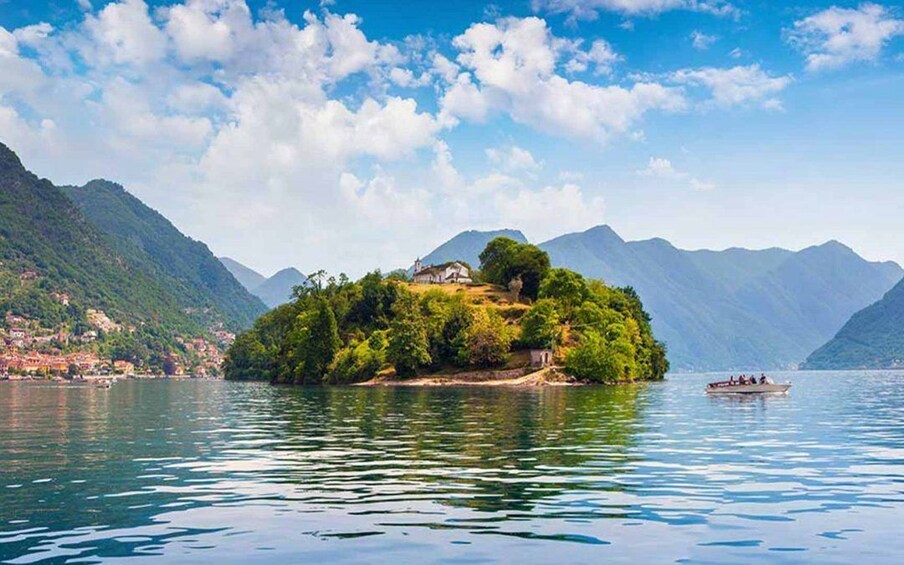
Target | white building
(452,272)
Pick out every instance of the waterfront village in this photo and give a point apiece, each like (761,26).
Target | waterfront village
(28,350)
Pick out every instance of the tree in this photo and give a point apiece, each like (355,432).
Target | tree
(487,339)
(567,288)
(408,347)
(608,359)
(322,343)
(170,367)
(358,362)
(504,259)
(454,333)
(540,326)
(495,259)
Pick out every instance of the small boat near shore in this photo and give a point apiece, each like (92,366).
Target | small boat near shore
(747,385)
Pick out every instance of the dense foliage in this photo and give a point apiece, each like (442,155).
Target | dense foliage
(504,260)
(339,332)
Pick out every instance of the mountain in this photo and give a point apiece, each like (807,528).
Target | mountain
(277,290)
(274,291)
(467,246)
(872,339)
(186,268)
(732,309)
(48,248)
(248,277)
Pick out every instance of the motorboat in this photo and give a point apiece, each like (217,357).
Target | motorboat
(747,385)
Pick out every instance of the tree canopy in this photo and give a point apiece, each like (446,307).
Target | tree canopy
(338,332)
(504,260)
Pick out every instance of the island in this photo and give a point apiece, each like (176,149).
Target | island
(516,320)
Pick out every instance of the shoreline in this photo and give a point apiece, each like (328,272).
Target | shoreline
(550,376)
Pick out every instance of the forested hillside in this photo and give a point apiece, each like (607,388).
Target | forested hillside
(47,248)
(188,270)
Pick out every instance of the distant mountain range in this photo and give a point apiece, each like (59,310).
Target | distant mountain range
(720,310)
(467,246)
(57,261)
(872,339)
(273,291)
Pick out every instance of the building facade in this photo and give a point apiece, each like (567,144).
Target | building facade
(452,272)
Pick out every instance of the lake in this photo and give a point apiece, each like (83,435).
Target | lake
(207,471)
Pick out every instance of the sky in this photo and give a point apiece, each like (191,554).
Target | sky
(351,135)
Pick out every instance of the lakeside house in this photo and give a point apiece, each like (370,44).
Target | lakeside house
(451,272)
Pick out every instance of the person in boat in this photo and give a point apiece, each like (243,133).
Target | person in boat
(762,379)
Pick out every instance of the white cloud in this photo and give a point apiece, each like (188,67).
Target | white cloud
(464,100)
(514,66)
(736,53)
(33,35)
(661,168)
(406,79)
(513,159)
(589,9)
(837,36)
(600,54)
(123,33)
(533,211)
(701,41)
(736,85)
(206,30)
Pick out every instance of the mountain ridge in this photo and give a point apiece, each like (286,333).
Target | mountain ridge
(273,291)
(873,338)
(732,309)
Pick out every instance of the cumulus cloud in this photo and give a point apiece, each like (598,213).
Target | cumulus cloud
(740,85)
(513,159)
(662,168)
(514,65)
(600,55)
(123,33)
(837,36)
(230,120)
(589,9)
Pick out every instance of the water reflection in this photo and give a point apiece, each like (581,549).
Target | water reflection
(245,472)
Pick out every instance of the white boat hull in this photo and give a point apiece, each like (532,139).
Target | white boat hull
(749,389)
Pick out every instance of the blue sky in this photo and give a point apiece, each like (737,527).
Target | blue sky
(355,134)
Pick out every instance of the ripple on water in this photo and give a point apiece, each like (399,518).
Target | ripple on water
(245,472)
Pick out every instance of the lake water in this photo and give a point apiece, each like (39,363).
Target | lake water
(202,472)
